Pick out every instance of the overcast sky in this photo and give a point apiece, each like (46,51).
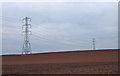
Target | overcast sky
(59,26)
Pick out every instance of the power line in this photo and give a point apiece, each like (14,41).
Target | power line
(10,17)
(45,36)
(55,40)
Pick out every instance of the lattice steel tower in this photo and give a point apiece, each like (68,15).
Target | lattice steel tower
(94,48)
(26,45)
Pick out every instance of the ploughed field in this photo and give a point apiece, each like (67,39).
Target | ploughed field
(71,62)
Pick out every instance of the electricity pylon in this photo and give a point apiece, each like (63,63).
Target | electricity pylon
(94,44)
(26,44)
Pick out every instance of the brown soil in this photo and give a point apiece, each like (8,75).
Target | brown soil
(74,62)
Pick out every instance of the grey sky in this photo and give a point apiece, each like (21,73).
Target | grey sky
(59,26)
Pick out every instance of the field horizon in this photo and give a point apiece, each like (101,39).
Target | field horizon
(70,62)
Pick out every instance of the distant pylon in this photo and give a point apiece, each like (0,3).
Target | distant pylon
(26,45)
(94,44)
